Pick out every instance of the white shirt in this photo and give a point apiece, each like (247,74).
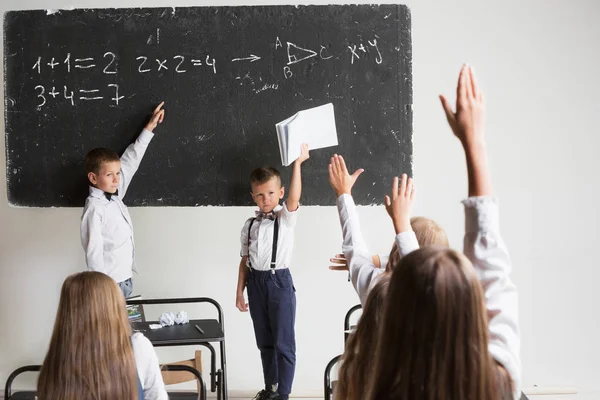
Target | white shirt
(484,246)
(106,226)
(261,240)
(363,273)
(148,370)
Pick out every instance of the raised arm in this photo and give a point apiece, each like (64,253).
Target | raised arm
(132,157)
(399,208)
(360,263)
(483,244)
(295,191)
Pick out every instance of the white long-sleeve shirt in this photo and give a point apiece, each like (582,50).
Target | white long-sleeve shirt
(148,370)
(106,226)
(484,246)
(363,273)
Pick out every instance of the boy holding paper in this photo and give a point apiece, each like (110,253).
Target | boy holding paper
(267,241)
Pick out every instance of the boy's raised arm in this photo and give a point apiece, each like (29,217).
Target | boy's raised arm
(132,157)
(296,184)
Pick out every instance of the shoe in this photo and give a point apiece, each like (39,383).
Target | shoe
(266,395)
(280,397)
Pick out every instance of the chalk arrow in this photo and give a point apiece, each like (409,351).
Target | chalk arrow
(252,58)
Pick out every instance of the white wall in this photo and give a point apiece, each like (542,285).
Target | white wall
(538,63)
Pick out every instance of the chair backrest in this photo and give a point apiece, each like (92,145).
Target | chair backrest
(328,383)
(347,323)
(187,370)
(30,394)
(174,376)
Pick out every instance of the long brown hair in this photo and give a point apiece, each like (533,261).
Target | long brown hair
(356,362)
(90,355)
(433,341)
(427,232)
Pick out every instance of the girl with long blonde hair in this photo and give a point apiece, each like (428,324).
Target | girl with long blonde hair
(93,354)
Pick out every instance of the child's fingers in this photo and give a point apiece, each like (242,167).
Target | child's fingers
(409,187)
(447,109)
(474,84)
(403,182)
(340,256)
(394,188)
(343,168)
(338,165)
(338,268)
(413,192)
(331,172)
(357,173)
(334,164)
(461,94)
(469,84)
(157,109)
(161,116)
(388,201)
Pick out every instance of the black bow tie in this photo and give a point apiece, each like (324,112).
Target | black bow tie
(263,215)
(109,195)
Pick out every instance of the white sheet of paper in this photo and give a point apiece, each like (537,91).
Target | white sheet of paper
(315,126)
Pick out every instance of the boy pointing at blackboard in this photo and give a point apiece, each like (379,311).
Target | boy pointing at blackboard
(267,242)
(106,227)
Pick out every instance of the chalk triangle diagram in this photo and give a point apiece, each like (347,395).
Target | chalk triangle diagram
(297,53)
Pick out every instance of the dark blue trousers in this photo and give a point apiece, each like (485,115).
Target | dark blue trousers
(272,301)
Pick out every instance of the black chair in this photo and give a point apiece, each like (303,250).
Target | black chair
(21,395)
(327,383)
(31,394)
(347,326)
(187,395)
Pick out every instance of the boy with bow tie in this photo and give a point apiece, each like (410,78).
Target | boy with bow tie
(267,242)
(106,227)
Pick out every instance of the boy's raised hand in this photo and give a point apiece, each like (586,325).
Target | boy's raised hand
(157,117)
(303,153)
(339,178)
(399,206)
(467,122)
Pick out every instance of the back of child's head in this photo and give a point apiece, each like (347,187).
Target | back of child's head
(427,232)
(263,175)
(90,343)
(358,357)
(95,158)
(434,334)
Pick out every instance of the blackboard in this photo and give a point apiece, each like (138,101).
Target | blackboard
(86,78)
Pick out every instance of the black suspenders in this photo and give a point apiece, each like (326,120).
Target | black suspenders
(275,236)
